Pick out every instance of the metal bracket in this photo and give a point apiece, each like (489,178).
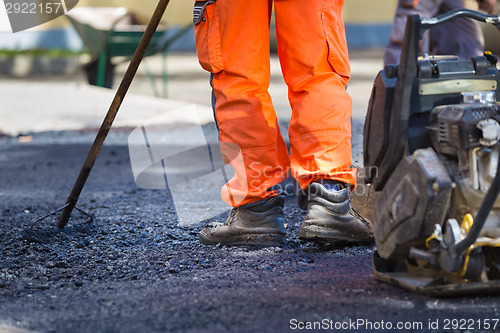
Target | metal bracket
(199,10)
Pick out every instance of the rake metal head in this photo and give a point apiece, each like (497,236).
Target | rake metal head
(46,235)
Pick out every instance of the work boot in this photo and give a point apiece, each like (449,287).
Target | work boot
(330,216)
(258,224)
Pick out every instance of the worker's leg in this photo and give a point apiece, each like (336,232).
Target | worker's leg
(425,9)
(315,63)
(248,130)
(247,123)
(462,36)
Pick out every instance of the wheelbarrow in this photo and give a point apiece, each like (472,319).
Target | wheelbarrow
(109,32)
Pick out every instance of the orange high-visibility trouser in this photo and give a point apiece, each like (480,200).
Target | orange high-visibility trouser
(232,40)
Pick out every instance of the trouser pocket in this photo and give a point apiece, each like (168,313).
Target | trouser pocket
(208,36)
(338,56)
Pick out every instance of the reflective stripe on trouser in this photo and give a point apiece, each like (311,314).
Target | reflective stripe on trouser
(461,37)
(233,43)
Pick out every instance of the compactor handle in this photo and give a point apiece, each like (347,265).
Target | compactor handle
(428,23)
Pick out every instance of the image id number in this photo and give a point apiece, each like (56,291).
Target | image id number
(34,8)
(470,324)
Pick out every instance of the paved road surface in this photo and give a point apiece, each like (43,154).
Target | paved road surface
(134,269)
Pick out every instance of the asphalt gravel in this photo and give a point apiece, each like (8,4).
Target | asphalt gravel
(134,269)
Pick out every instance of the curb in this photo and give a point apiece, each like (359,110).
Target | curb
(22,66)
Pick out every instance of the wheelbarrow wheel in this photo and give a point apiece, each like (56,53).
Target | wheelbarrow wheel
(91,70)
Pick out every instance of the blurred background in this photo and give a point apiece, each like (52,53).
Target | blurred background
(368,25)
(93,43)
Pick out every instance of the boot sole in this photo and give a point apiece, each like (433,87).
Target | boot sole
(320,234)
(262,240)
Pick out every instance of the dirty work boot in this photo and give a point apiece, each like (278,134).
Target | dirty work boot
(260,224)
(330,216)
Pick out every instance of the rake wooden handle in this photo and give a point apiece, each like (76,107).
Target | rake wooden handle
(113,110)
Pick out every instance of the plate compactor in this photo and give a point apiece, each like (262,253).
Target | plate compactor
(431,145)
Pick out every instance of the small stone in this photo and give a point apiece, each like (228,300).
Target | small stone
(61,264)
